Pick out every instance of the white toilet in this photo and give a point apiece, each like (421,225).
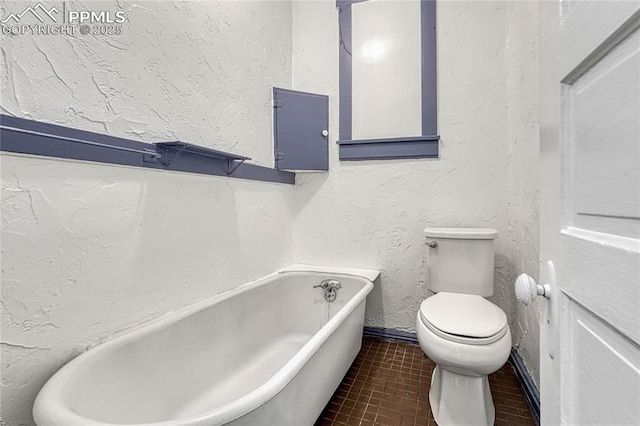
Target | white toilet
(463,333)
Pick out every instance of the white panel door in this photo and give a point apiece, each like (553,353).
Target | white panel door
(590,211)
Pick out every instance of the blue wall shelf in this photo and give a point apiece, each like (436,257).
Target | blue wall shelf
(24,136)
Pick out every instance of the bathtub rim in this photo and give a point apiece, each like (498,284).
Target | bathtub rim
(57,411)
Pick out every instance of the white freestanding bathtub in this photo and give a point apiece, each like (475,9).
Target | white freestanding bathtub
(269,353)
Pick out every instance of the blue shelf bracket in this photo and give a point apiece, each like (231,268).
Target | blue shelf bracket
(177,153)
(170,151)
(235,164)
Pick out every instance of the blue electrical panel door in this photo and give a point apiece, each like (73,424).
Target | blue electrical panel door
(301,130)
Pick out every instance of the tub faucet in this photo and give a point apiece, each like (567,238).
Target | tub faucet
(329,284)
(330,288)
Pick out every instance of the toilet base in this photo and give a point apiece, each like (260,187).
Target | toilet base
(460,400)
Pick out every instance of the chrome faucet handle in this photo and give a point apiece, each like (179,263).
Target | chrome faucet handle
(335,284)
(329,283)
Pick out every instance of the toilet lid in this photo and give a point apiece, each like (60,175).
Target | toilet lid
(463,315)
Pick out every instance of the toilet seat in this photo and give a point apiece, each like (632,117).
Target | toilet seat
(463,318)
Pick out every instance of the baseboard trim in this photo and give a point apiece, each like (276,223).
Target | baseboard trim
(526,382)
(391,334)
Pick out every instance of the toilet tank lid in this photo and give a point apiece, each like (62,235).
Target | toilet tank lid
(462,233)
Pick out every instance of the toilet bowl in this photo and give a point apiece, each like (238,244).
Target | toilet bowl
(468,338)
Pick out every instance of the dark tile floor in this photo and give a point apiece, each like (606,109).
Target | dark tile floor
(388,384)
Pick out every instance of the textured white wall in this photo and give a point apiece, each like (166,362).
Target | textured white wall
(371,214)
(523,189)
(90,250)
(200,72)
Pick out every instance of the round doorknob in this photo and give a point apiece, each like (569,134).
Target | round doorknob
(527,289)
(325,133)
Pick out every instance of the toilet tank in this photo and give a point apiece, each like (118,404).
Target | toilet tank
(462,261)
